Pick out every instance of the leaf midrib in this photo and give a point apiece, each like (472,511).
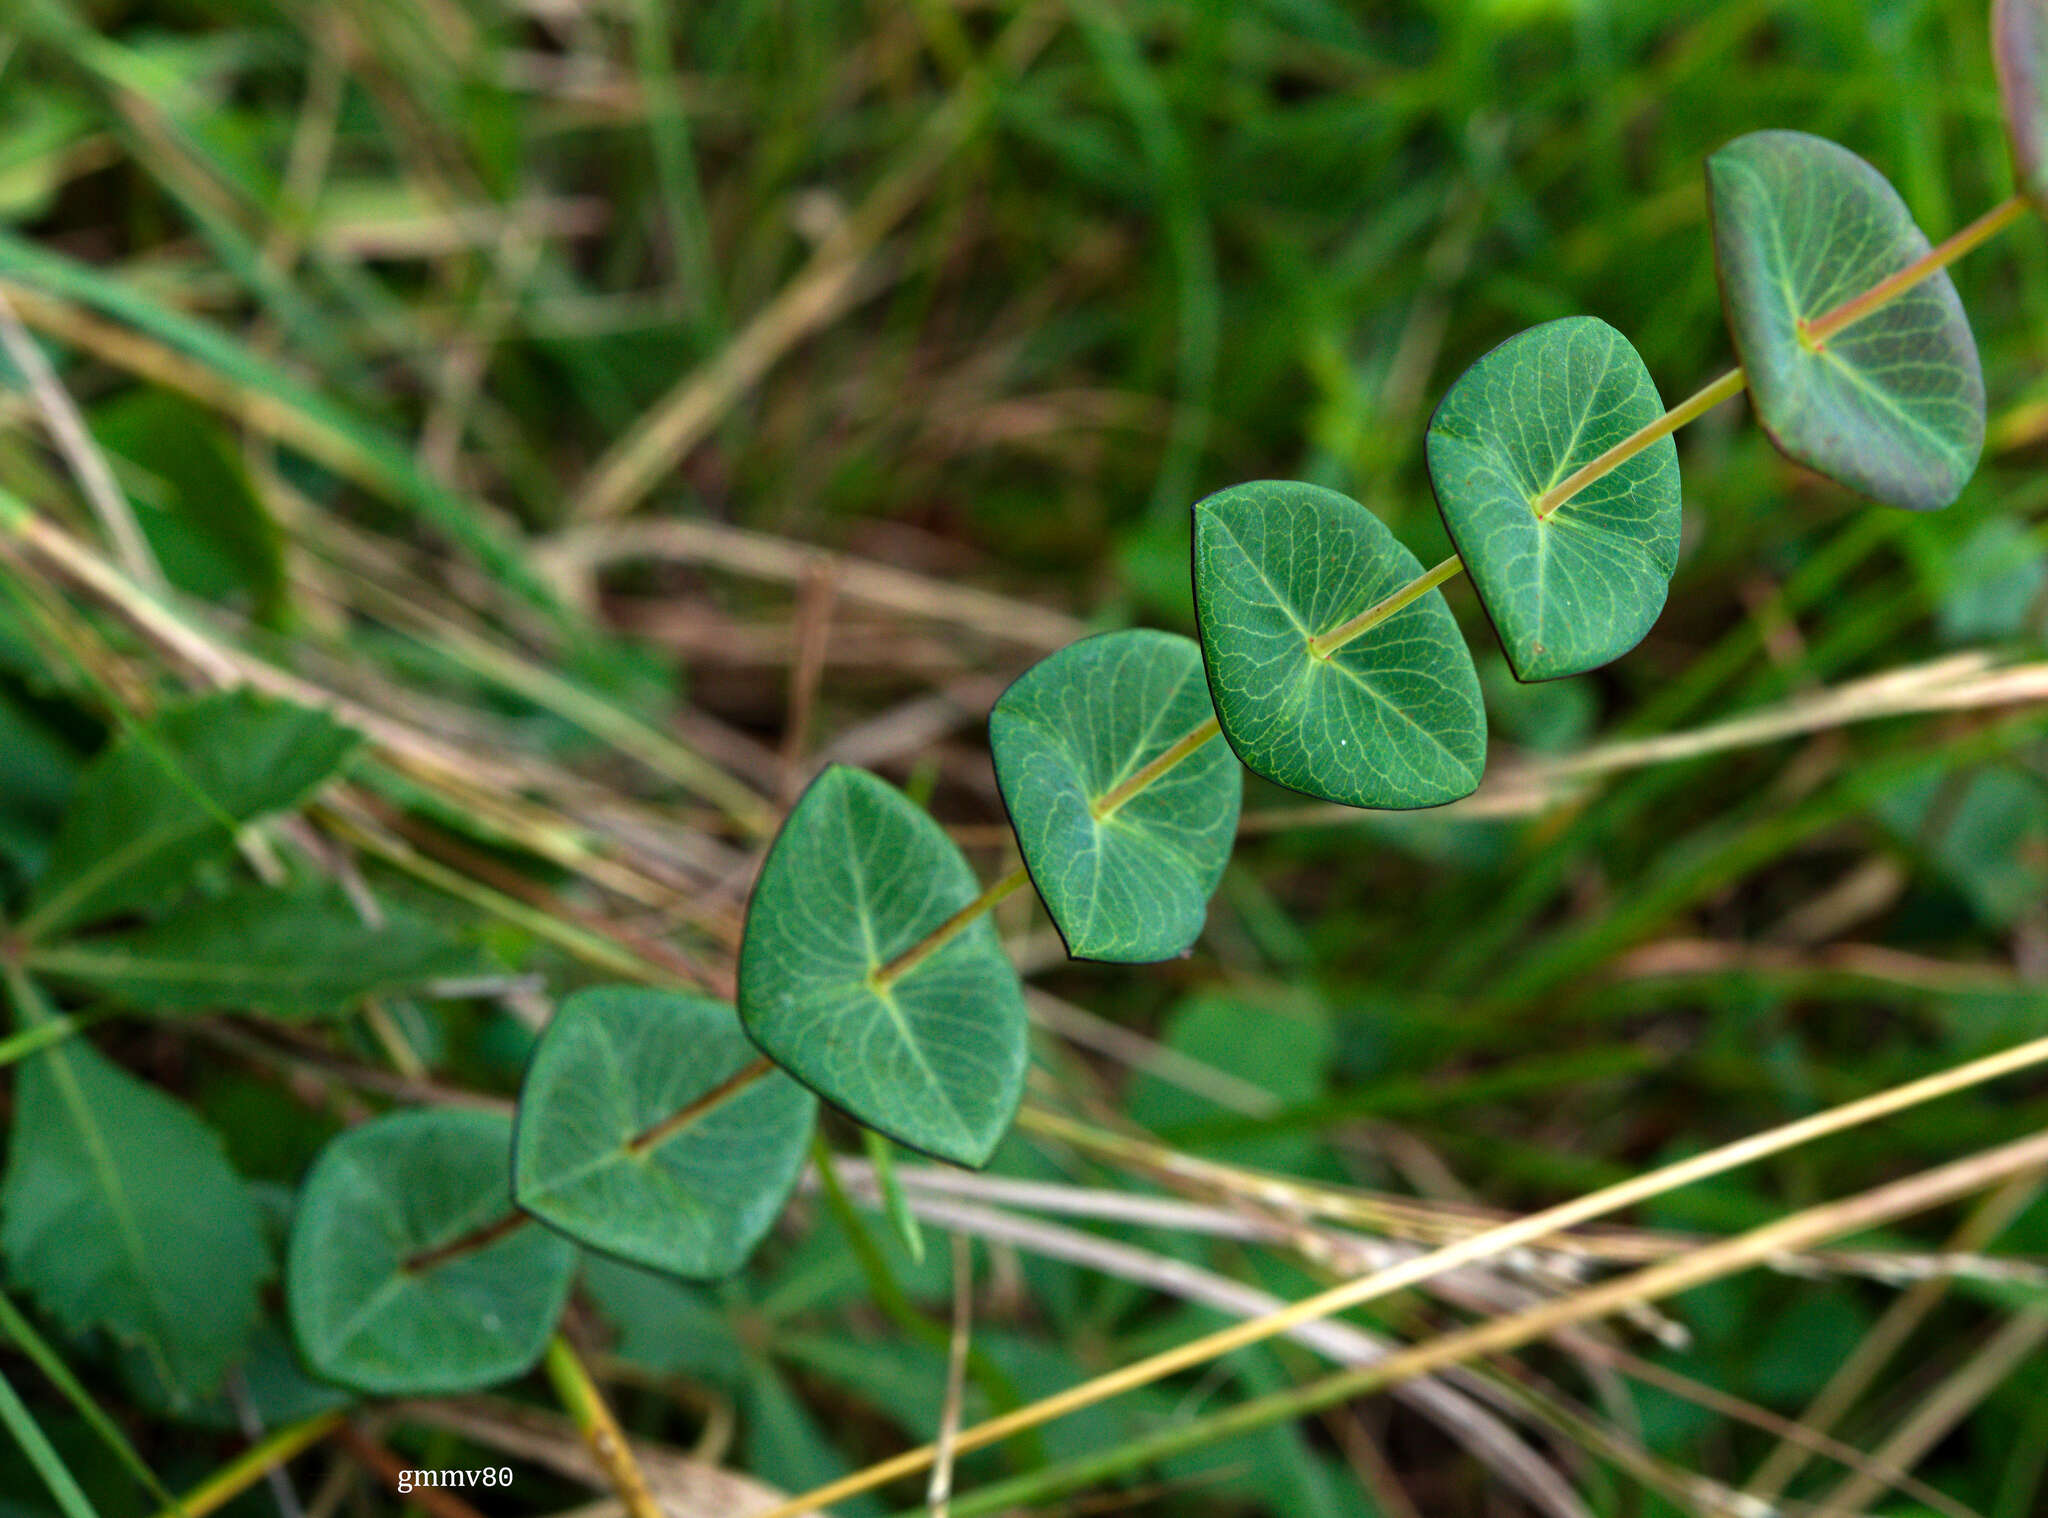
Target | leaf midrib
(101,1160)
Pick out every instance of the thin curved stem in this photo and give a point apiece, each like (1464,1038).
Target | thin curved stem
(660,1133)
(586,1407)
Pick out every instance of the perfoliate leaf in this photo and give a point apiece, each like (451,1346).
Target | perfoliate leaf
(372,1304)
(1580,586)
(1127,882)
(614,1068)
(2019,51)
(162,801)
(1892,405)
(120,1212)
(934,1056)
(296,952)
(1393,718)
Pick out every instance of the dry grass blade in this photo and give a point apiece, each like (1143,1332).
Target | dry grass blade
(1501,1335)
(685,1488)
(1481,1246)
(102,491)
(1453,1408)
(1957,682)
(1947,1406)
(1793,1432)
(1890,1333)
(571,557)
(939,1492)
(820,293)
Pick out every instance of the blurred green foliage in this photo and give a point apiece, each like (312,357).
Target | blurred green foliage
(1180,245)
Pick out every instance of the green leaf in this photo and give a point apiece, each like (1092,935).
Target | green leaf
(383,1196)
(206,523)
(664,1326)
(293,953)
(1273,1044)
(1981,831)
(934,1057)
(616,1062)
(41,770)
(1132,884)
(165,799)
(270,1380)
(1893,405)
(2019,51)
(1579,587)
(1989,585)
(1392,719)
(120,1212)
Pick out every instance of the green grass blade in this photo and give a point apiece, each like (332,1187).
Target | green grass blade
(28,1434)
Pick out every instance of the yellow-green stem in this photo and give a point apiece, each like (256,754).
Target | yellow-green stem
(1111,801)
(1689,410)
(236,1477)
(1813,333)
(682,1117)
(1105,805)
(1328,643)
(1694,406)
(1933,261)
(887,975)
(585,1405)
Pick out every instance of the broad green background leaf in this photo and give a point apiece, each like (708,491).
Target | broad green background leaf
(2019,49)
(1280,1046)
(1549,717)
(1892,406)
(387,1192)
(41,770)
(614,1062)
(292,952)
(193,498)
(1580,587)
(1134,885)
(857,876)
(137,826)
(271,1379)
(1393,719)
(1980,831)
(663,1325)
(120,1212)
(1988,586)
